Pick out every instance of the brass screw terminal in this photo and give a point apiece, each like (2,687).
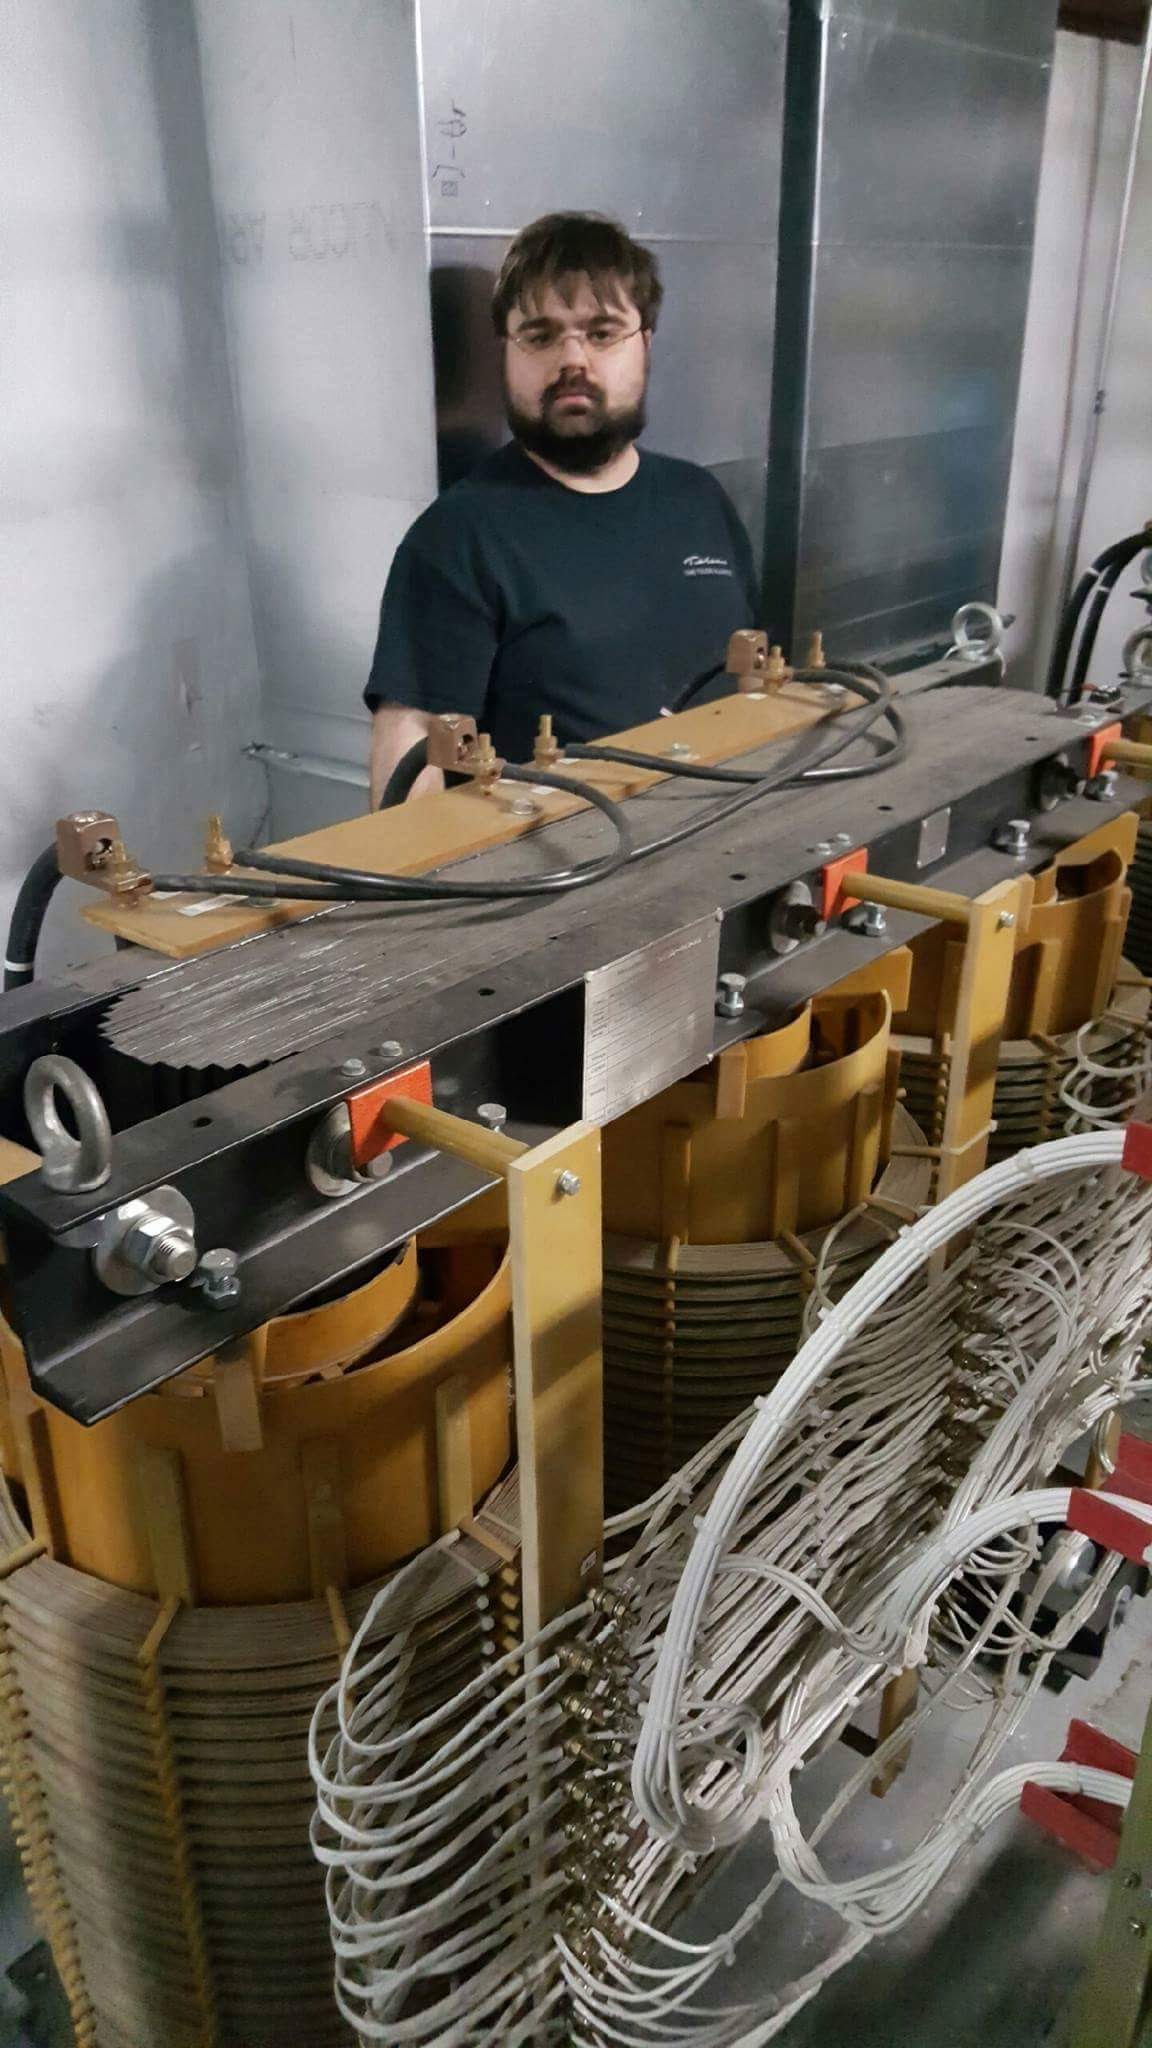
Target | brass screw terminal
(219,857)
(546,750)
(483,763)
(776,669)
(815,657)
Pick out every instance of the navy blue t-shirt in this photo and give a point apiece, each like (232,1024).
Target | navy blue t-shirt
(512,595)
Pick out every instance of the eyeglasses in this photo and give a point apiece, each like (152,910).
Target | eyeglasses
(548,340)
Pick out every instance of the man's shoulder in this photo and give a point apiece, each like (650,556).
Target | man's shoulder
(672,474)
(467,505)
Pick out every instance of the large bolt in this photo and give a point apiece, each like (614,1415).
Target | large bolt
(1014,837)
(867,920)
(1101,788)
(803,921)
(493,1114)
(353,1070)
(567,1183)
(390,1050)
(160,1248)
(219,1276)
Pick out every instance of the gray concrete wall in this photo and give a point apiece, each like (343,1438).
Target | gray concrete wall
(313,118)
(129,670)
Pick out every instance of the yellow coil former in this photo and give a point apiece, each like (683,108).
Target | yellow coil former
(719,1199)
(1069,993)
(304,1457)
(784,1132)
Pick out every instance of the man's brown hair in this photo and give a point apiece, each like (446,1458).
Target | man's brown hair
(560,247)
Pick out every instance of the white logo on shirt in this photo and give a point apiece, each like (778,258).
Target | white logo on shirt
(707,565)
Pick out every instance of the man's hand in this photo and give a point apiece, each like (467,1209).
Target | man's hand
(395,729)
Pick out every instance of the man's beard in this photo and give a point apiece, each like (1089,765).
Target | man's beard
(590,443)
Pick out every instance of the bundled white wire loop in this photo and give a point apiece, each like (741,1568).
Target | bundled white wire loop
(881,1507)
(656,1777)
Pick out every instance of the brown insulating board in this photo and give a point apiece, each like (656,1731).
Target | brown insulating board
(456,823)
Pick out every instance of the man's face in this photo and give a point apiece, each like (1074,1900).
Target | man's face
(569,397)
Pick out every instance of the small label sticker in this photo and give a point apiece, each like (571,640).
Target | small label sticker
(588,1564)
(204,904)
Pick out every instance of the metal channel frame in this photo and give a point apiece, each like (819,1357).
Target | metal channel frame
(238,1154)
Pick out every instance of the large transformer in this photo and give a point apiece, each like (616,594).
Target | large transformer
(304,1403)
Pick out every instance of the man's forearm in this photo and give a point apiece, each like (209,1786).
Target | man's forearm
(395,730)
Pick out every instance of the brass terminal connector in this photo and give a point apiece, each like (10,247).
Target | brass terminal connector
(451,738)
(89,849)
(546,751)
(776,669)
(219,857)
(483,763)
(815,657)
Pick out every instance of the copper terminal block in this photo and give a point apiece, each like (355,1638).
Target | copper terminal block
(747,659)
(450,739)
(89,849)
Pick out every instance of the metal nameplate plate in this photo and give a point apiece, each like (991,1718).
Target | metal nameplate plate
(648,1019)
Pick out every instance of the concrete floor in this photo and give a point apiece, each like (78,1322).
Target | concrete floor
(992,1960)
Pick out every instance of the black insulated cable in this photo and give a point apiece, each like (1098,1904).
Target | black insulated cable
(362,886)
(28,913)
(1100,577)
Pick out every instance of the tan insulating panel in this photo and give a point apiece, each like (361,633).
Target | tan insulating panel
(245,1482)
(784,1132)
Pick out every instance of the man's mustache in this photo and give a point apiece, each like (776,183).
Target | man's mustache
(572,387)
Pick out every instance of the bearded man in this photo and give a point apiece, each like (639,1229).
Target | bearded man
(573,572)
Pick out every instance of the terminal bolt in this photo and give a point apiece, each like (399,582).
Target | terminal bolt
(730,995)
(1014,837)
(159,1248)
(146,1243)
(1101,788)
(219,1275)
(867,920)
(493,1114)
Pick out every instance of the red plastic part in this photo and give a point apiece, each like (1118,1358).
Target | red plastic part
(1092,1515)
(1133,1474)
(832,897)
(370,1134)
(1137,1153)
(1089,1827)
(1098,746)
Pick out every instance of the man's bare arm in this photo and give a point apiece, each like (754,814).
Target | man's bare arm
(396,728)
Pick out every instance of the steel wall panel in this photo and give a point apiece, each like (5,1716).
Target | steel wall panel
(664,114)
(1026,26)
(902,372)
(314,129)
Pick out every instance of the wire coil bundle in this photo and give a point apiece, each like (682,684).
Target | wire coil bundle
(878,1510)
